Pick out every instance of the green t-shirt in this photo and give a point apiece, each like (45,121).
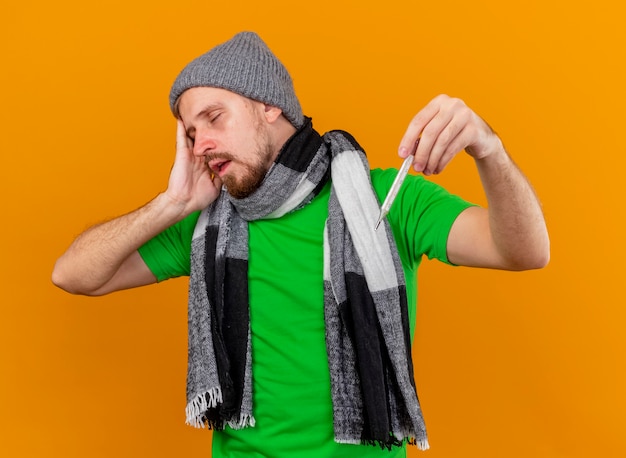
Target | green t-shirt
(291,382)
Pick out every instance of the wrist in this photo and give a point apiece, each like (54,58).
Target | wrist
(172,208)
(493,152)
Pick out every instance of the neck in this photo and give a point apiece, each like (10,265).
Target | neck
(284,186)
(283,130)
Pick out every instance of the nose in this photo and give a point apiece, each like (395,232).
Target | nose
(204,143)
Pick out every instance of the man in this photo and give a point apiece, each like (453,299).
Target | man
(299,311)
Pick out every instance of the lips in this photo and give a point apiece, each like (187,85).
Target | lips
(219,166)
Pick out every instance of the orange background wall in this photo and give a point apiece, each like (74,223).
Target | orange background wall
(508,364)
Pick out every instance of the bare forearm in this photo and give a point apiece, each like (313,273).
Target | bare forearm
(95,256)
(516,219)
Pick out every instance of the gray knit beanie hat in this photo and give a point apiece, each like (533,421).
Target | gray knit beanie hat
(244,65)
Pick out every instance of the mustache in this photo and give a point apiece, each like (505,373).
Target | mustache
(219,155)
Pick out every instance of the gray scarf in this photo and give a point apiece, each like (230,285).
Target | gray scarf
(365,304)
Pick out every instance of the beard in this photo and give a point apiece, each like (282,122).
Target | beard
(250,179)
(247,182)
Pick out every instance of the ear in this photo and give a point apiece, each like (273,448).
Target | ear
(272,113)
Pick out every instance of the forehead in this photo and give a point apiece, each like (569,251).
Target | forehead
(197,98)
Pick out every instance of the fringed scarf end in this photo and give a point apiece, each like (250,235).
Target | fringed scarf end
(420,444)
(392,442)
(347,441)
(244,421)
(197,407)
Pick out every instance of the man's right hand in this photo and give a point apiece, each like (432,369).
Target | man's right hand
(192,186)
(104,258)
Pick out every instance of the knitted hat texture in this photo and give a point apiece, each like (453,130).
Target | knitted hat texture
(244,65)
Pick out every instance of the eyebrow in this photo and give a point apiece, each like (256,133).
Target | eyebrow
(202,113)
